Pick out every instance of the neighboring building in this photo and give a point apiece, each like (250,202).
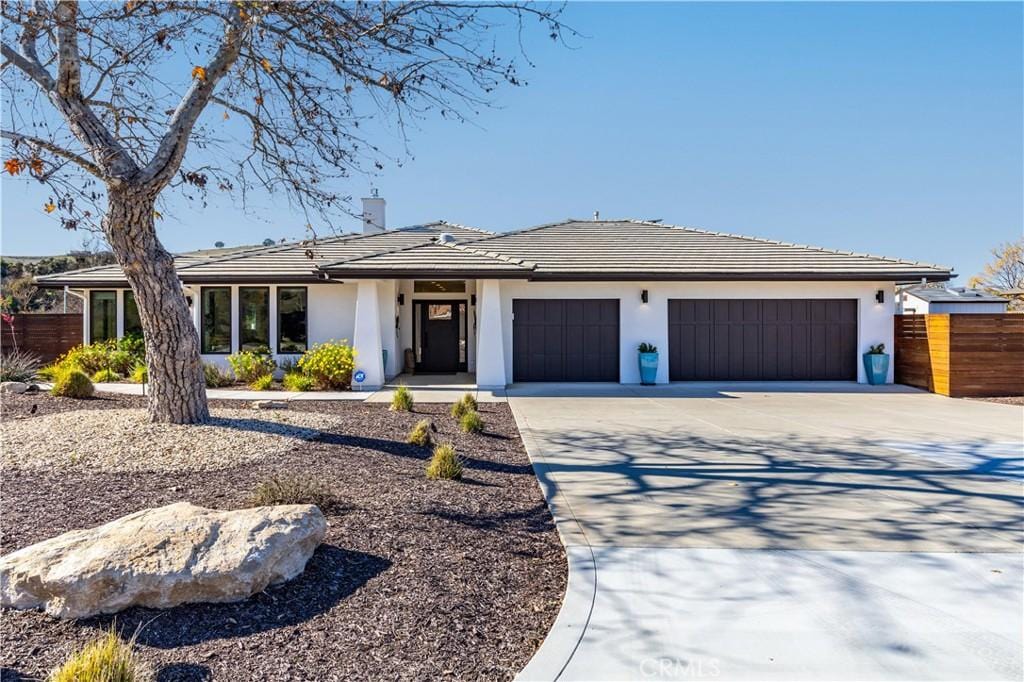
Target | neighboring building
(569,301)
(924,300)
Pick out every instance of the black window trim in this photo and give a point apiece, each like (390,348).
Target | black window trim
(93,292)
(238,331)
(277,315)
(202,322)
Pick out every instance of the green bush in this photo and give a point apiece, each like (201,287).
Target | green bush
(95,357)
(49,372)
(402,401)
(251,365)
(105,376)
(140,373)
(329,364)
(297,381)
(215,376)
(72,383)
(466,403)
(134,345)
(106,659)
(420,434)
(262,383)
(471,422)
(292,490)
(445,463)
(19,365)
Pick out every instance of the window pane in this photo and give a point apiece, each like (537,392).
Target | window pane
(102,316)
(457,286)
(216,319)
(254,318)
(132,321)
(439,312)
(291,320)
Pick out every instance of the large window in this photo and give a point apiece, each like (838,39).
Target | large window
(441,286)
(253,318)
(216,319)
(102,316)
(132,321)
(291,320)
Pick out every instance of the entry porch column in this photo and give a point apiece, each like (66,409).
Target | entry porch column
(490,351)
(367,338)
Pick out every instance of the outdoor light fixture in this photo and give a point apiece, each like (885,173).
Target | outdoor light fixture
(472,299)
(880,296)
(401,299)
(643,295)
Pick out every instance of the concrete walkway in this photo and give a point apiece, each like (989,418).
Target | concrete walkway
(782,532)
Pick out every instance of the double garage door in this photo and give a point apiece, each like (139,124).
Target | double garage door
(709,339)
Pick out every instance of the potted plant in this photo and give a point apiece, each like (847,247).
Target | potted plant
(876,364)
(648,355)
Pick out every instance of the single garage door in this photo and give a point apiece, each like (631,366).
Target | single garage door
(565,339)
(762,339)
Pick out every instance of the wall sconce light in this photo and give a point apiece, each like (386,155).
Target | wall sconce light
(880,296)
(401,299)
(472,299)
(643,296)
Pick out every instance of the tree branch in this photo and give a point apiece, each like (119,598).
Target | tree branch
(53,149)
(69,70)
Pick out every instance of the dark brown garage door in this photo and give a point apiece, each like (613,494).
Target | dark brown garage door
(762,339)
(565,339)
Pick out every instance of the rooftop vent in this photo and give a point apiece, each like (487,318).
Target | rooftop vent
(446,238)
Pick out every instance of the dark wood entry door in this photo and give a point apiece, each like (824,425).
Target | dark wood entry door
(439,336)
(762,339)
(565,339)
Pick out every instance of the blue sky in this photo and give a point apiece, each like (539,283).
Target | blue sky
(884,128)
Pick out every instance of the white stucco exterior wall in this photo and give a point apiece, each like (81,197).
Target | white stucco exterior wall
(649,322)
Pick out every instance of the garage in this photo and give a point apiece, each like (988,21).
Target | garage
(762,339)
(565,339)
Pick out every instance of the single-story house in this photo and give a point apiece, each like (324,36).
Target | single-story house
(567,301)
(925,300)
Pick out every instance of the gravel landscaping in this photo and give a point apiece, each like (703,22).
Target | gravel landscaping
(416,579)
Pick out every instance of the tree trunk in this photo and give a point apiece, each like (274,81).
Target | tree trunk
(177,388)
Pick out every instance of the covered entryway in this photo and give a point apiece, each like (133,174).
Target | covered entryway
(565,339)
(762,339)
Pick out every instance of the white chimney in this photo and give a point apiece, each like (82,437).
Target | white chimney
(373,215)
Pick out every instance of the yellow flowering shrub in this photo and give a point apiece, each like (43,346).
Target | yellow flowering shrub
(329,365)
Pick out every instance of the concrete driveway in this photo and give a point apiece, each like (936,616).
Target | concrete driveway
(780,531)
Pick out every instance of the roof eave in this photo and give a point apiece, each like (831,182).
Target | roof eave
(898,277)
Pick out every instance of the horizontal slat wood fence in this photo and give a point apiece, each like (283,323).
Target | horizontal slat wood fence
(48,335)
(961,354)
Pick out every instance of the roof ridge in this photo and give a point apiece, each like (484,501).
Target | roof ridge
(464,227)
(91,268)
(270,248)
(810,247)
(498,235)
(399,249)
(468,248)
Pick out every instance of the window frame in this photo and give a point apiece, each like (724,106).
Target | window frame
(92,318)
(238,331)
(202,320)
(277,302)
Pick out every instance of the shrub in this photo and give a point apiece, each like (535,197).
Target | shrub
(107,659)
(420,434)
(134,345)
(288,365)
(292,490)
(72,383)
(140,373)
(445,463)
(329,364)
(262,383)
(49,372)
(402,401)
(105,376)
(467,403)
(215,376)
(96,356)
(250,365)
(297,381)
(19,365)
(471,422)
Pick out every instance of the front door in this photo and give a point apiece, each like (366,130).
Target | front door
(439,336)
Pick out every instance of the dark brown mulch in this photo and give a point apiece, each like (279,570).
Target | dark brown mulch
(416,579)
(1005,400)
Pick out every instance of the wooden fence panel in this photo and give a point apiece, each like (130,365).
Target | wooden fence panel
(48,335)
(961,354)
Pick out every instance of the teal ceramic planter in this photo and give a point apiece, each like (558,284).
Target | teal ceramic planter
(648,368)
(876,367)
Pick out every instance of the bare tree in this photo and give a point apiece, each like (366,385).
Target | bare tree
(1004,275)
(106,106)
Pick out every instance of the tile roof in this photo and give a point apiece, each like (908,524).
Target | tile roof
(435,260)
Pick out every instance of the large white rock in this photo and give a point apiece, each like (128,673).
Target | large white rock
(13,387)
(162,557)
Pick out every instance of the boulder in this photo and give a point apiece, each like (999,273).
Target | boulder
(270,405)
(162,557)
(13,387)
